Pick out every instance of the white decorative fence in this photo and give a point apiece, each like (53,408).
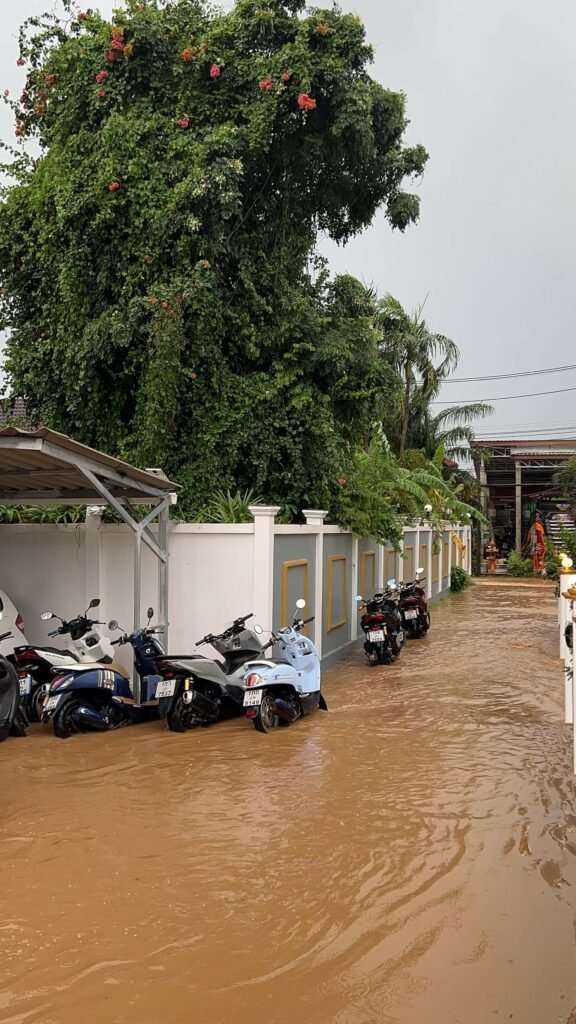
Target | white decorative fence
(566,609)
(218,572)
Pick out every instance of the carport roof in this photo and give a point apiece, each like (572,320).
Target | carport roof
(43,466)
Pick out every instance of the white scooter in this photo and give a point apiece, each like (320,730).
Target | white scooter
(279,692)
(35,664)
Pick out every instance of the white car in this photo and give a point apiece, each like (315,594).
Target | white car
(11,622)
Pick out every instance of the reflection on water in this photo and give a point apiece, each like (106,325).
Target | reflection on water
(409,857)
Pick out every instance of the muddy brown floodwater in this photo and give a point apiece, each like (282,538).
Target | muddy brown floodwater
(409,857)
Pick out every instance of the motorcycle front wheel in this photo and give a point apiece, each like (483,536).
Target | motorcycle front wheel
(266,719)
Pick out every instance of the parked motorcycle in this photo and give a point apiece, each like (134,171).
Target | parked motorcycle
(381,624)
(202,691)
(414,607)
(13,720)
(98,696)
(36,664)
(279,692)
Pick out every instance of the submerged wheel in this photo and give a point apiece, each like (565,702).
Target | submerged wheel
(181,717)
(35,703)
(63,722)
(266,719)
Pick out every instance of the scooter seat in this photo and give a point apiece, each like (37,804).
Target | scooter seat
(92,666)
(48,650)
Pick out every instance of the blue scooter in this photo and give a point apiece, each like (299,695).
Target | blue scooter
(280,692)
(99,697)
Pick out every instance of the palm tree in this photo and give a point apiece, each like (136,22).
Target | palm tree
(423,359)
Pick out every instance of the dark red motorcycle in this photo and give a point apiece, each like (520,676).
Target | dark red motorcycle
(381,624)
(414,608)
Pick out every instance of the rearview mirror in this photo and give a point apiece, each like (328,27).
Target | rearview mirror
(359,599)
(94,603)
(113,625)
(419,571)
(150,614)
(301,603)
(258,630)
(392,584)
(45,616)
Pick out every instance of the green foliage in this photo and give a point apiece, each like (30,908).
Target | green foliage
(423,359)
(157,260)
(459,579)
(42,514)
(519,566)
(568,544)
(225,507)
(379,494)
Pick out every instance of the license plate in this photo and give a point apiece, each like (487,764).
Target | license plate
(167,688)
(411,614)
(377,636)
(51,703)
(253,698)
(25,685)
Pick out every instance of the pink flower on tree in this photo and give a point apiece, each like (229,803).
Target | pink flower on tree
(286,78)
(113,186)
(101,77)
(183,122)
(215,71)
(266,85)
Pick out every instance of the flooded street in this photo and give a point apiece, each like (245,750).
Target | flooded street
(409,857)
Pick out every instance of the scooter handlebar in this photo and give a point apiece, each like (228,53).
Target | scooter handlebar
(5,636)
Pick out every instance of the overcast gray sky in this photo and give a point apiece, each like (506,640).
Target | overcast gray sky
(491,87)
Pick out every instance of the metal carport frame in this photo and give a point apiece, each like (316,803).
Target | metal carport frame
(43,467)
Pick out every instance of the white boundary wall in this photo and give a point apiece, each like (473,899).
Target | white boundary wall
(217,571)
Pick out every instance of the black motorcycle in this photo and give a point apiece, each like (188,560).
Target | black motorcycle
(203,691)
(382,626)
(13,719)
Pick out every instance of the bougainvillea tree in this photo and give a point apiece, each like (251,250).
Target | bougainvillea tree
(172,172)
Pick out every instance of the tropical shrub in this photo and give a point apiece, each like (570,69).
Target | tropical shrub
(459,579)
(519,566)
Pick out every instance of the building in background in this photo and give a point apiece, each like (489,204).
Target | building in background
(519,480)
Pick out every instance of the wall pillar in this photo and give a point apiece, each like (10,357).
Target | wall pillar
(518,471)
(430,567)
(93,555)
(316,518)
(263,603)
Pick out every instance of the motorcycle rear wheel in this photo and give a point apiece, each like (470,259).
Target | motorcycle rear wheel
(266,719)
(181,717)
(63,724)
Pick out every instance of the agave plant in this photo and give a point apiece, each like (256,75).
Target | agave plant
(231,507)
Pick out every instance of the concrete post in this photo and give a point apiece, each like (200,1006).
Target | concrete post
(429,567)
(354,591)
(518,488)
(92,554)
(316,518)
(263,604)
(566,611)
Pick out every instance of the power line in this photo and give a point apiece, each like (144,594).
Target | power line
(504,377)
(505,398)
